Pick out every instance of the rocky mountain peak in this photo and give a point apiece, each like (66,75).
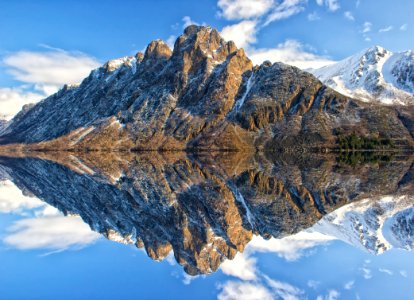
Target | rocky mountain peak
(139,56)
(377,50)
(157,50)
(374,55)
(200,43)
(115,64)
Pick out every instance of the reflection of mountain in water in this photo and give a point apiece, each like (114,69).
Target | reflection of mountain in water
(205,208)
(375,225)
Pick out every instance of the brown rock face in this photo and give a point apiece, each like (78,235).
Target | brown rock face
(157,50)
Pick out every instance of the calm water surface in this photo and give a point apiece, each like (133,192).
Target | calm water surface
(225,226)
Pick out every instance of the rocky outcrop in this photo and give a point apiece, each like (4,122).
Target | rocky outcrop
(204,208)
(205,94)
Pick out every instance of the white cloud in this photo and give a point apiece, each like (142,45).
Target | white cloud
(171,259)
(290,52)
(313,16)
(52,232)
(187,279)
(313,284)
(171,40)
(12,199)
(290,248)
(48,229)
(243,33)
(243,9)
(12,100)
(367,27)
(349,16)
(366,273)
(386,271)
(404,27)
(264,289)
(285,9)
(349,285)
(332,295)
(50,68)
(42,73)
(187,22)
(233,290)
(386,29)
(241,266)
(404,273)
(284,290)
(332,5)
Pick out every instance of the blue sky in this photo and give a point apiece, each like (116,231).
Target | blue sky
(46,43)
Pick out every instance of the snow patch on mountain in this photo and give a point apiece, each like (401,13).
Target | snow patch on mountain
(373,75)
(115,64)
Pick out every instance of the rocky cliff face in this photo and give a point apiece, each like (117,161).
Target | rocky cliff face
(374,75)
(204,208)
(204,94)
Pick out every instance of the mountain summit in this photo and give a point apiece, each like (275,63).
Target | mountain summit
(375,74)
(205,94)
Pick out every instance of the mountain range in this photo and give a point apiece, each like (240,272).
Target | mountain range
(205,94)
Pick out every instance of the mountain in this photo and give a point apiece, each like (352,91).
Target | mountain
(374,225)
(204,207)
(375,75)
(205,94)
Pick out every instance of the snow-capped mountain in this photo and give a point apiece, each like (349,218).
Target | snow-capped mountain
(375,74)
(375,225)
